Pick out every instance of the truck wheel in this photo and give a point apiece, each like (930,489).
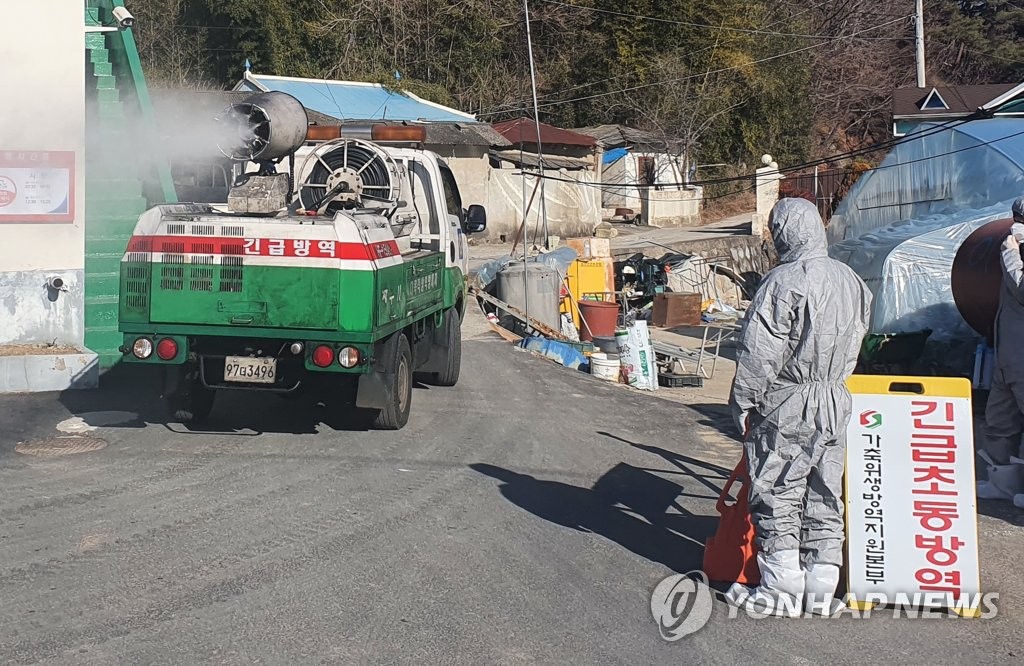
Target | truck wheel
(451,358)
(188,401)
(397,359)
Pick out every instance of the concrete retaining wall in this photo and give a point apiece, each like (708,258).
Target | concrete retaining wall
(747,255)
(48,372)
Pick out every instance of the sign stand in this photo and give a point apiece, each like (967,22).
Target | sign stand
(912,528)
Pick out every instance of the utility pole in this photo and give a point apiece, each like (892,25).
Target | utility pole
(920,44)
(536,120)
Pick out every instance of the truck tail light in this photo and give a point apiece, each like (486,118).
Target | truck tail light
(167,349)
(142,348)
(348,357)
(323,356)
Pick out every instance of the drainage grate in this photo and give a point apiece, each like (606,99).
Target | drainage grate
(60,446)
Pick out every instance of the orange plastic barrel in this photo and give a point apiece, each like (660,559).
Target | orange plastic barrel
(598,318)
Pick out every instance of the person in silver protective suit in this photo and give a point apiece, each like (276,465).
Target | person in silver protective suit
(1004,414)
(799,343)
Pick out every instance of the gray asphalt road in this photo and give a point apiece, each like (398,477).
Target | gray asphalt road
(523,516)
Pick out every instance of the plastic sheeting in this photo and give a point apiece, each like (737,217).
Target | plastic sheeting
(557,260)
(908,267)
(965,167)
(573,208)
(902,223)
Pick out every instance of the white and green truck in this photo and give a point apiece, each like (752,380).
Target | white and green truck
(348,270)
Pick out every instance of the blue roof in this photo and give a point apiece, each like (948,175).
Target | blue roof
(349,100)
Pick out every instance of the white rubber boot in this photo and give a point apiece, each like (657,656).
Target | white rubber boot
(781,590)
(820,583)
(1004,481)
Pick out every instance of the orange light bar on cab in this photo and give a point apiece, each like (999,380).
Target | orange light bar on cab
(323,132)
(399,133)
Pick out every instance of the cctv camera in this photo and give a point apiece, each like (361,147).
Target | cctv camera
(123,17)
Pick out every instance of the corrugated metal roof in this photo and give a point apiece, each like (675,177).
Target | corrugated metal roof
(523,159)
(464,134)
(620,136)
(352,100)
(524,131)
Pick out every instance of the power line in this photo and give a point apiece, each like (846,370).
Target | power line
(685,78)
(749,31)
(718,181)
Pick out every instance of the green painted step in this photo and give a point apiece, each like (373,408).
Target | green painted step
(110,112)
(108,95)
(105,82)
(117,208)
(108,244)
(112,227)
(105,299)
(100,314)
(107,262)
(102,69)
(105,341)
(107,197)
(104,282)
(124,183)
(96,40)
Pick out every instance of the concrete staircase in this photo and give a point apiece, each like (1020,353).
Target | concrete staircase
(114,184)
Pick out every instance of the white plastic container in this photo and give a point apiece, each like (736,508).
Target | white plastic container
(604,368)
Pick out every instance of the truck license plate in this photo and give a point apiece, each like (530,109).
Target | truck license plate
(250,370)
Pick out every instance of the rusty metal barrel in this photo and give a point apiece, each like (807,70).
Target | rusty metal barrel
(977,276)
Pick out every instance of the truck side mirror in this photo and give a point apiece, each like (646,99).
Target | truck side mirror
(476,219)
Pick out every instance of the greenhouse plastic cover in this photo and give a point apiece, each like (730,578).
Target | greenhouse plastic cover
(901,225)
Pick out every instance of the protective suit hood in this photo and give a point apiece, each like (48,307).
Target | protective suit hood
(797,230)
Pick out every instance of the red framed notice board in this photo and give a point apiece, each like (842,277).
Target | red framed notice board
(37,186)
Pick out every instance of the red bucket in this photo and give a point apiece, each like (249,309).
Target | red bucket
(598,319)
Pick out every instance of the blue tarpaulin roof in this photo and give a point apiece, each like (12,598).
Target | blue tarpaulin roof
(614,155)
(351,100)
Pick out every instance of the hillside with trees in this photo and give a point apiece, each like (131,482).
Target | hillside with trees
(730,79)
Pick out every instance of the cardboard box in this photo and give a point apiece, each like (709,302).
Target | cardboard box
(674,309)
(590,248)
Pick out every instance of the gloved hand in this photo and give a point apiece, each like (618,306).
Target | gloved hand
(1017,231)
(742,420)
(1011,244)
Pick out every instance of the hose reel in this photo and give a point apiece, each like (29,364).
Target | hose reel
(346,174)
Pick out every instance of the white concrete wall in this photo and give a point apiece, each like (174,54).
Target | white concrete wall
(623,175)
(471,167)
(674,209)
(42,51)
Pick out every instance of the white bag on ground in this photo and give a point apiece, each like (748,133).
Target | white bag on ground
(636,355)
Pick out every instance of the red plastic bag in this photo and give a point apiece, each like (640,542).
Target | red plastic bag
(731,555)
